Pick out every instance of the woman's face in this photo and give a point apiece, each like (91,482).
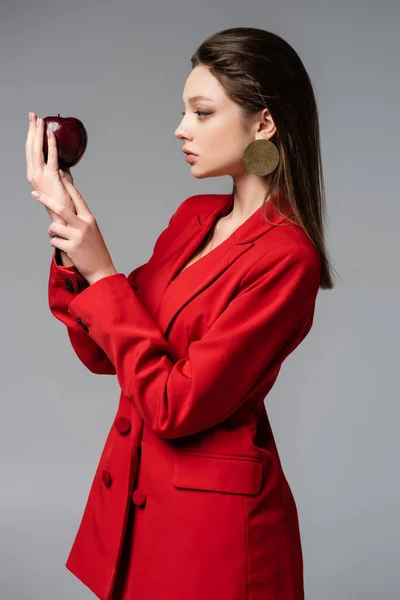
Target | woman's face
(216,135)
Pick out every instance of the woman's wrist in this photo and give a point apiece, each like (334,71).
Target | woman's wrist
(62,259)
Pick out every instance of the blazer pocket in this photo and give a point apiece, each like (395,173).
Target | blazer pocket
(218,474)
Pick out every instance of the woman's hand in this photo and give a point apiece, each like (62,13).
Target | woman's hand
(80,238)
(46,176)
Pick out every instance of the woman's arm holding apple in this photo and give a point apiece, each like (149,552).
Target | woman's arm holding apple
(65,281)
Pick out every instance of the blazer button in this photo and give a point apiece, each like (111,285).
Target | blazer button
(139,497)
(69,285)
(123,425)
(106,477)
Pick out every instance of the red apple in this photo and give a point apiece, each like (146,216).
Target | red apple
(71,139)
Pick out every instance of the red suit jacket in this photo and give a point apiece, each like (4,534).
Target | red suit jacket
(191,452)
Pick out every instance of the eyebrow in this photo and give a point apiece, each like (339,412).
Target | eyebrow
(194,98)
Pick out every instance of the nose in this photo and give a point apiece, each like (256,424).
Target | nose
(179,133)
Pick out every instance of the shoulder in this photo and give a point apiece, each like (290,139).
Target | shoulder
(284,255)
(288,238)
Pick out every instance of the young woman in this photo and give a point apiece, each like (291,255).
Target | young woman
(189,500)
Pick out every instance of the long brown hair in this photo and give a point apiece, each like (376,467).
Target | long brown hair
(258,69)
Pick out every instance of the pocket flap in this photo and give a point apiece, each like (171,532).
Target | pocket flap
(235,475)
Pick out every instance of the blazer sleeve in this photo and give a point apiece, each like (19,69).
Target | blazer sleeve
(64,285)
(180,397)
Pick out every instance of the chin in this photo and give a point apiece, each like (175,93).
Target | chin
(200,175)
(203,174)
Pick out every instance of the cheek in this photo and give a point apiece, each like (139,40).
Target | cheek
(227,149)
(223,140)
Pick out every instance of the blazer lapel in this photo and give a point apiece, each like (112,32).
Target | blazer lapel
(176,289)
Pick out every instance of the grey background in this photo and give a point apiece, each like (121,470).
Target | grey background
(121,67)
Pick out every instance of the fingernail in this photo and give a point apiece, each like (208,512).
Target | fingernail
(36,194)
(48,133)
(62,174)
(38,121)
(30,116)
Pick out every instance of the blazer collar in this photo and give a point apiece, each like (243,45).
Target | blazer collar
(174,289)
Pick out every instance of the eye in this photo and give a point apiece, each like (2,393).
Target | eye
(199,112)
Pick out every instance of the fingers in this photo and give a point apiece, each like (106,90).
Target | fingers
(37,155)
(29,147)
(66,174)
(59,209)
(58,230)
(52,156)
(77,198)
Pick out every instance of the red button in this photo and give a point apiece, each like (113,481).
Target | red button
(106,477)
(123,425)
(139,497)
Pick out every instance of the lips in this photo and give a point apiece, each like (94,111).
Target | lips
(186,151)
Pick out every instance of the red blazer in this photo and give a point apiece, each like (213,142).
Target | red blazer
(190,454)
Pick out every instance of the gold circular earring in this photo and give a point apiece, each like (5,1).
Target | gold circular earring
(261,157)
